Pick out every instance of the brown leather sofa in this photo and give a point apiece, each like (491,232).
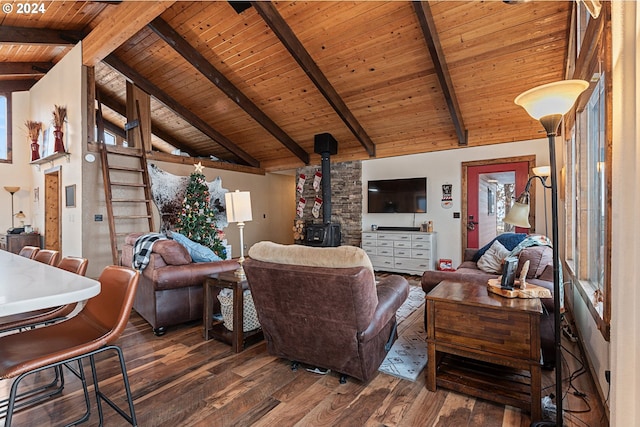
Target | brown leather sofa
(170,291)
(540,273)
(321,306)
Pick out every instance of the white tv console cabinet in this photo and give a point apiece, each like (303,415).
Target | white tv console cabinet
(412,252)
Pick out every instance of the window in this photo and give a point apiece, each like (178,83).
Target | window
(588,174)
(110,138)
(591,196)
(5,128)
(571,202)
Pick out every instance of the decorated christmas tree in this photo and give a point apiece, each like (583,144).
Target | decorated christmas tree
(197,218)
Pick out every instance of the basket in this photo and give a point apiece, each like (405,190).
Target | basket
(250,321)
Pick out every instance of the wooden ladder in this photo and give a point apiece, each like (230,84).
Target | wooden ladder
(127,190)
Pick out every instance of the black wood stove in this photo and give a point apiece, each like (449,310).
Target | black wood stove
(327,233)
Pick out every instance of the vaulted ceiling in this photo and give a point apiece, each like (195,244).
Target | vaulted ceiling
(254,86)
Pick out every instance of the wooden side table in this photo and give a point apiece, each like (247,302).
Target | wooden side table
(483,344)
(213,322)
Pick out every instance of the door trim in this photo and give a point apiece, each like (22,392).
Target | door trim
(531,159)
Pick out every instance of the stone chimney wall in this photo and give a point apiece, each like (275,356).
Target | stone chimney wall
(346,198)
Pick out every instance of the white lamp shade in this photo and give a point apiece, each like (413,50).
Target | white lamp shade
(542,170)
(518,215)
(552,98)
(238,206)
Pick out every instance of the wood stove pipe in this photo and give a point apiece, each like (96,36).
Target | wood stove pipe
(325,145)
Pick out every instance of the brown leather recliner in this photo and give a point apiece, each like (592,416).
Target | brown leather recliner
(171,286)
(321,306)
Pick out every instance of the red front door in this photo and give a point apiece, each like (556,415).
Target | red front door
(521,170)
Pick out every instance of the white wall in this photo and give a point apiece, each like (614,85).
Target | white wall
(444,167)
(62,85)
(625,270)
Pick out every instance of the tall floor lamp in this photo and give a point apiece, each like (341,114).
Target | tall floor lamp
(12,190)
(548,104)
(239,210)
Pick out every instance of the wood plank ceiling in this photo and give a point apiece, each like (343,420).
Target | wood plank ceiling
(254,87)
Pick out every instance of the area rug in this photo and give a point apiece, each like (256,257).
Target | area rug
(408,355)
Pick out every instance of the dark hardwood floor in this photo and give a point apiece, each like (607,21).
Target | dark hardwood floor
(181,380)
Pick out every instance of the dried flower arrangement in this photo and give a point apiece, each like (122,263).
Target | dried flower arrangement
(59,115)
(33,129)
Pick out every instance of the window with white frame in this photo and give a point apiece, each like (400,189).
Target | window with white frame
(5,134)
(588,168)
(571,201)
(589,217)
(110,138)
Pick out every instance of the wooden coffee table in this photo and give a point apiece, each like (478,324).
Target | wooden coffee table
(484,345)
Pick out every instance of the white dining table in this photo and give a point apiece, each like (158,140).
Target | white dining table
(27,285)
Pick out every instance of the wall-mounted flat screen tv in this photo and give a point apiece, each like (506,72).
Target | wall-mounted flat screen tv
(405,195)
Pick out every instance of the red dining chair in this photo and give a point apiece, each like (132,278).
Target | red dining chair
(93,330)
(47,256)
(48,315)
(29,251)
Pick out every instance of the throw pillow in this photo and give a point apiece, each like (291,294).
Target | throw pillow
(172,252)
(508,240)
(539,258)
(491,261)
(198,252)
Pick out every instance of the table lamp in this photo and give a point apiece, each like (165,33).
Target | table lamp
(548,104)
(12,190)
(239,210)
(21,216)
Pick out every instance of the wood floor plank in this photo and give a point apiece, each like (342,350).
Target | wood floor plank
(426,408)
(485,413)
(290,411)
(456,410)
(334,404)
(367,401)
(395,405)
(513,417)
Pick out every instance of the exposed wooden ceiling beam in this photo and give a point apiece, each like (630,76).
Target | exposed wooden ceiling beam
(120,24)
(120,108)
(25,68)
(179,109)
(281,29)
(427,24)
(200,63)
(38,36)
(16,85)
